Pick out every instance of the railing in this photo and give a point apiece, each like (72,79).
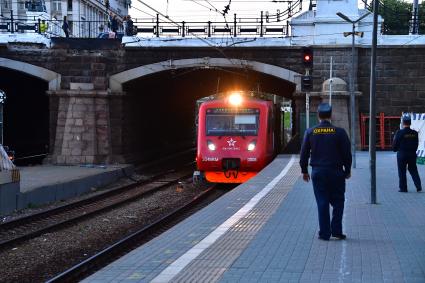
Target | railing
(386,126)
(149,28)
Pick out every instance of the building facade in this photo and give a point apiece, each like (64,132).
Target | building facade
(86,18)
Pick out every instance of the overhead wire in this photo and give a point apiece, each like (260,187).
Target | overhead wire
(198,37)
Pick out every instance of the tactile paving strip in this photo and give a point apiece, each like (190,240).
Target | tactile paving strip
(214,261)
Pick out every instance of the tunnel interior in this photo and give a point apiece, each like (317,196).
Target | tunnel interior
(159,109)
(25,116)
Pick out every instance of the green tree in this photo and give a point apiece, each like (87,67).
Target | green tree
(397,15)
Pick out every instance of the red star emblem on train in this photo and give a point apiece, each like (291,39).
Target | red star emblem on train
(231,142)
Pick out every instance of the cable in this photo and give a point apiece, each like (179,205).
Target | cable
(142,11)
(202,39)
(196,2)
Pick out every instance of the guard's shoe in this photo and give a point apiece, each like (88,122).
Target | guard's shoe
(402,191)
(340,236)
(322,238)
(419,190)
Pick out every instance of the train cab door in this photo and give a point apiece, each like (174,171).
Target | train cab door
(271,142)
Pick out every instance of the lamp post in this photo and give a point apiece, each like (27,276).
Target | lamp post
(352,98)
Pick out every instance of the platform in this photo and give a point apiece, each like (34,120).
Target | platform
(266,231)
(49,183)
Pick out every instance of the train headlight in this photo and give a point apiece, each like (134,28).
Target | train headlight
(235,99)
(251,146)
(211,146)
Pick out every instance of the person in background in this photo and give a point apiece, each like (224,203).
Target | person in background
(43,26)
(65,27)
(130,27)
(124,24)
(406,143)
(114,25)
(330,152)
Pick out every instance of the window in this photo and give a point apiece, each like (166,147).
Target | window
(69,5)
(228,121)
(57,6)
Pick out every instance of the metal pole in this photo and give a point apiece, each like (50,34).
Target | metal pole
(352,102)
(2,100)
(1,123)
(307,110)
(234,26)
(261,24)
(157,25)
(12,24)
(414,24)
(372,112)
(330,82)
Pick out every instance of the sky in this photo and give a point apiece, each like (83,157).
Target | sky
(204,10)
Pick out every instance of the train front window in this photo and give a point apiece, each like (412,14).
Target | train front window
(232,122)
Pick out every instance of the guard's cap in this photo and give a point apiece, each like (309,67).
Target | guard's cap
(324,108)
(406,118)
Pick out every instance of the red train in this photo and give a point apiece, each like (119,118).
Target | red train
(237,137)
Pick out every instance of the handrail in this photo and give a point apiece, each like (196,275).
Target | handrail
(248,27)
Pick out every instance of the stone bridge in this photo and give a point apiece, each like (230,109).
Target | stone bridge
(109,103)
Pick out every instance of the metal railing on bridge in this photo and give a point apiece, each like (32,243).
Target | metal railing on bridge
(247,27)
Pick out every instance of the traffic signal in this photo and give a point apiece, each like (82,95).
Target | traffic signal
(307,57)
(306,83)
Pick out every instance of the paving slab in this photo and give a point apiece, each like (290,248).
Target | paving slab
(275,238)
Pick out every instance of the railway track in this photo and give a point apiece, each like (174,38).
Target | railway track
(118,249)
(25,228)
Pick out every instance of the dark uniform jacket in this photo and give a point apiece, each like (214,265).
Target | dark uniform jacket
(406,140)
(328,145)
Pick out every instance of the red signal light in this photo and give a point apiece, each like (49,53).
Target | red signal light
(307,57)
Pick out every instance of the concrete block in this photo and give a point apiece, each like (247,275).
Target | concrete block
(8,197)
(78,122)
(81,86)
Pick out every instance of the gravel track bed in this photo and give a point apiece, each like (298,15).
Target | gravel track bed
(45,256)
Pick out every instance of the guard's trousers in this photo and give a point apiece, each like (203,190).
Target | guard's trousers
(407,159)
(329,188)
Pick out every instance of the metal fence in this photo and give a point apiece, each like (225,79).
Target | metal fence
(148,27)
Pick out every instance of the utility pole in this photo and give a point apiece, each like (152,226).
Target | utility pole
(330,82)
(307,110)
(307,81)
(372,111)
(352,96)
(414,25)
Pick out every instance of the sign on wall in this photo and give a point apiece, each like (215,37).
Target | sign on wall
(418,124)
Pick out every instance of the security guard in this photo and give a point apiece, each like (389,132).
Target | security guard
(330,152)
(406,143)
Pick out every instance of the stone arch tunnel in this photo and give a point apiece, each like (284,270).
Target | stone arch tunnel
(98,98)
(159,108)
(26,110)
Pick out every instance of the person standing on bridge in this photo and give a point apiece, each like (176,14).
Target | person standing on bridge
(43,26)
(406,143)
(65,26)
(114,25)
(329,148)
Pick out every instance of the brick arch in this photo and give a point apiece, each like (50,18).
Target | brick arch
(116,81)
(52,78)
